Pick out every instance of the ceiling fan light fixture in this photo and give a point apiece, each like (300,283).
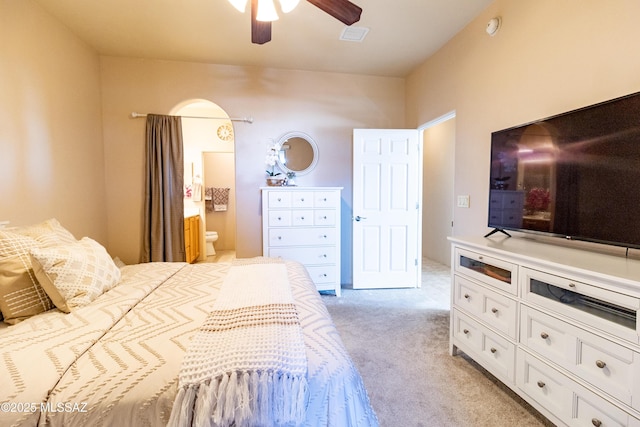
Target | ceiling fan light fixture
(241,5)
(266,11)
(288,5)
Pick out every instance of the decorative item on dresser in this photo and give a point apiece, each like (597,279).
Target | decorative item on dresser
(557,325)
(303,224)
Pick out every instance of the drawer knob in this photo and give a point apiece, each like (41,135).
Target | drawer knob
(279,218)
(572,285)
(302,218)
(324,275)
(467,296)
(324,217)
(325,199)
(480,257)
(279,237)
(541,384)
(324,255)
(279,199)
(493,349)
(465,331)
(324,236)
(302,199)
(596,422)
(600,364)
(494,310)
(544,335)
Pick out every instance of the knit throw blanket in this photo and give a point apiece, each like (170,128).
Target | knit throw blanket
(247,365)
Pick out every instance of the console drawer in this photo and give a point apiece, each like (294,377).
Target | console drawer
(488,270)
(495,309)
(563,397)
(497,353)
(611,312)
(604,364)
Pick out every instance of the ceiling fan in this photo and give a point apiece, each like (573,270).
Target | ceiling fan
(263,12)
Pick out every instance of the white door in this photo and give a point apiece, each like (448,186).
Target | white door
(386,208)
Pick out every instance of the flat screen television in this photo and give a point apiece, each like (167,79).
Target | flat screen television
(574,175)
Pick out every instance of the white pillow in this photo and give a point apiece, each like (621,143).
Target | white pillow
(74,274)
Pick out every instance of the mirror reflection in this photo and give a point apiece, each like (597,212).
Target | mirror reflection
(298,153)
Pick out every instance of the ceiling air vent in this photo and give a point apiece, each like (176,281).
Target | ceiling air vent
(354,34)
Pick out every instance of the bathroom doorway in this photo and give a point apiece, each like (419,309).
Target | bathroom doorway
(219,173)
(209,170)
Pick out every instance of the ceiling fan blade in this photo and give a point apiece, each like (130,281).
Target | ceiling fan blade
(342,10)
(260,30)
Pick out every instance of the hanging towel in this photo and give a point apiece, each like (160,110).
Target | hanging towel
(220,199)
(197,191)
(208,199)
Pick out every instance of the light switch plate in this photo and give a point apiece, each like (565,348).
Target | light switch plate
(463,201)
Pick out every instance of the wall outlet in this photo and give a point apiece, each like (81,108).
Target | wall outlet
(463,201)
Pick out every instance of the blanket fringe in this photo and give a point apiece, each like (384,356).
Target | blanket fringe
(184,403)
(277,400)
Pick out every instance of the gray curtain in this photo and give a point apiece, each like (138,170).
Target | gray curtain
(164,203)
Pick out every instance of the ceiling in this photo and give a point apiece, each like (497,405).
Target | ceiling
(402,33)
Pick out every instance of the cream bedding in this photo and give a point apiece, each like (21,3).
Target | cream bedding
(115,362)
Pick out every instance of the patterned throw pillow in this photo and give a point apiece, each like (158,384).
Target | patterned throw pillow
(20,294)
(74,274)
(48,233)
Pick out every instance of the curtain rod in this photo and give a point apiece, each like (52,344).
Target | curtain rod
(249,120)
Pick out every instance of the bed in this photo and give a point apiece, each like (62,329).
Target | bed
(117,357)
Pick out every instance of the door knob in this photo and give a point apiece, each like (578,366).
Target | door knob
(358,218)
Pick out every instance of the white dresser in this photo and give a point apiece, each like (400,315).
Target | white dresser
(559,326)
(303,224)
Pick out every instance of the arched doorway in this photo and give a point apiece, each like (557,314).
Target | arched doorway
(209,165)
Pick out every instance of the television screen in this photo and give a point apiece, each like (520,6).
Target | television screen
(575,175)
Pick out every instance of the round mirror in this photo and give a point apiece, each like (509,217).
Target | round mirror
(298,153)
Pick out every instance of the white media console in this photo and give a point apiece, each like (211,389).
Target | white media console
(557,325)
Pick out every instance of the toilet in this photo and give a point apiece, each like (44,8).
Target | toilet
(210,237)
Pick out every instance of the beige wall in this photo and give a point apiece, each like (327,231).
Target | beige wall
(326,106)
(51,152)
(437,189)
(549,57)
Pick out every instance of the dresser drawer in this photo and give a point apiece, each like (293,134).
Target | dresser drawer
(279,199)
(302,199)
(307,256)
(302,217)
(566,399)
(302,236)
(279,218)
(496,352)
(606,365)
(496,310)
(609,311)
(324,217)
(326,199)
(547,336)
(488,270)
(545,385)
(323,274)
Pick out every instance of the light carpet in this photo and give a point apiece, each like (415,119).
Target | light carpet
(399,341)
